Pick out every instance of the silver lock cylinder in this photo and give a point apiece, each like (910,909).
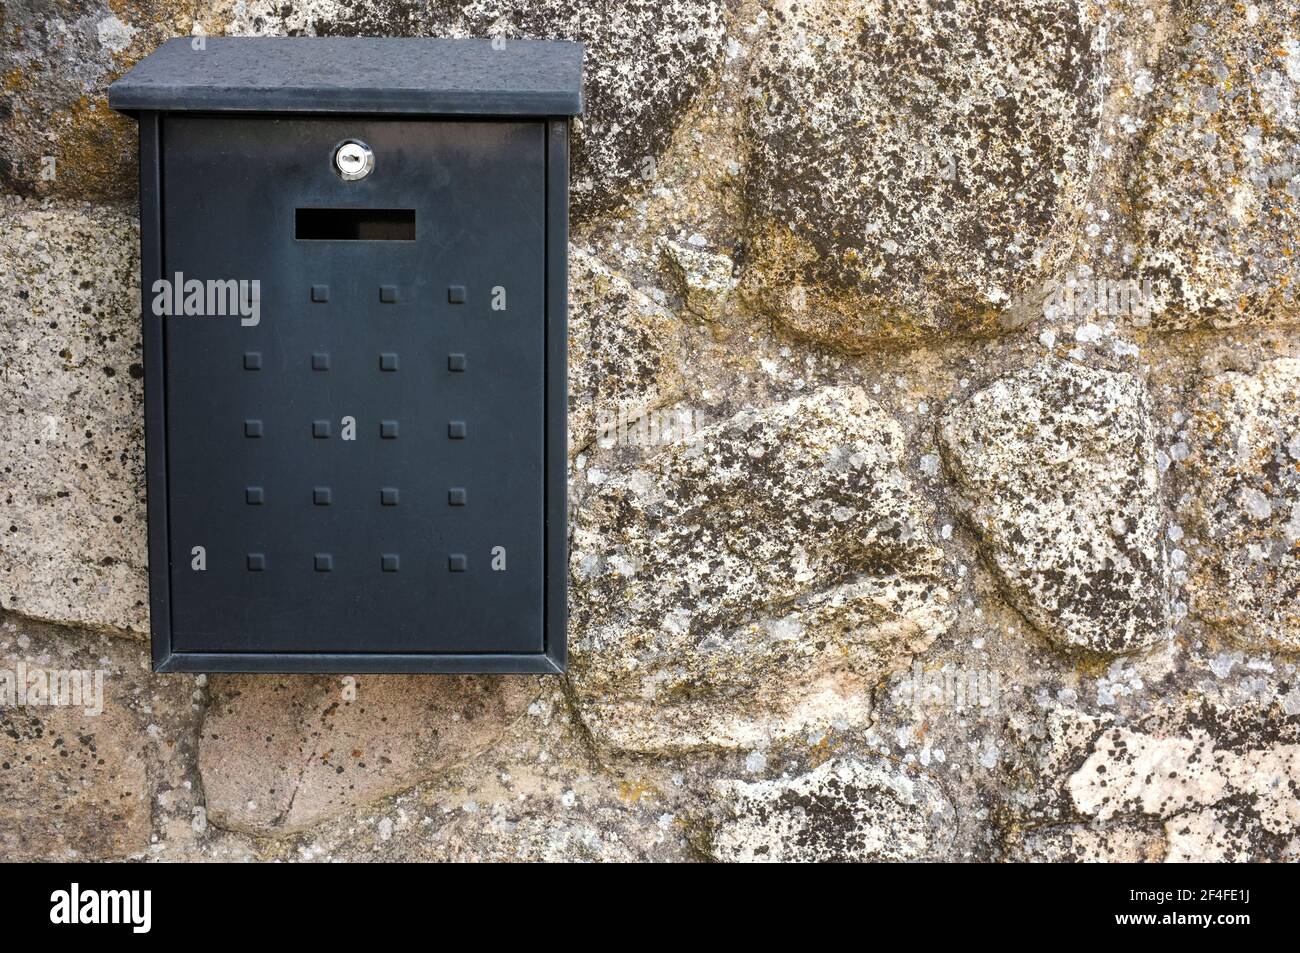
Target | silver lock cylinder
(353,160)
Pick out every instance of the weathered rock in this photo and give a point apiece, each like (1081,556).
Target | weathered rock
(72,544)
(1125,843)
(1242,506)
(1218,185)
(1209,774)
(549,831)
(93,749)
(644,64)
(535,795)
(753,582)
(1057,471)
(841,811)
(551,823)
(71,785)
(327,18)
(908,160)
(280,754)
(1223,782)
(59,136)
(625,352)
(705,280)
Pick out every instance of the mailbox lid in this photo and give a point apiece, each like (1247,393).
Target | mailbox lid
(365,75)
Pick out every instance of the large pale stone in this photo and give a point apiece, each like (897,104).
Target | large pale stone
(91,777)
(1242,507)
(1208,773)
(844,810)
(1056,466)
(72,538)
(625,352)
(644,64)
(1222,782)
(1218,185)
(908,160)
(753,582)
(535,795)
(280,754)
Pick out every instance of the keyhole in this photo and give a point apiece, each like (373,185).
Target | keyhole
(353,160)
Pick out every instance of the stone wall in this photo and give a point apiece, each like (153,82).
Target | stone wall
(935,477)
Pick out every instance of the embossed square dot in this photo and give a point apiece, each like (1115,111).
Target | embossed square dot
(388,496)
(252,428)
(256,562)
(254,495)
(388,361)
(322,496)
(456,362)
(388,429)
(320,361)
(389,562)
(320,429)
(457,562)
(324,562)
(456,496)
(456,430)
(252,360)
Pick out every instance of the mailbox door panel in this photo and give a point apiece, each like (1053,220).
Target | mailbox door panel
(356,456)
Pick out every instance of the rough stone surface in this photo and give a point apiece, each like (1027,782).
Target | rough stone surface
(1194,761)
(81,764)
(1221,798)
(625,352)
(1057,471)
(278,755)
(72,543)
(60,138)
(840,811)
(1243,503)
(1120,844)
(705,280)
(754,581)
(1218,187)
(893,189)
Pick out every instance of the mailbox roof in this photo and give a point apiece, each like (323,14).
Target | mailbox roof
(357,75)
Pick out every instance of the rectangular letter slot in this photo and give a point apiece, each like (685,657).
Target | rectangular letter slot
(354,224)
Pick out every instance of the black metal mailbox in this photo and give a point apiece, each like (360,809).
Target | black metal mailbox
(354,290)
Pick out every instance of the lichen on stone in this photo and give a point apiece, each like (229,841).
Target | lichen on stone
(1056,468)
(1243,503)
(778,557)
(907,160)
(1217,188)
(841,811)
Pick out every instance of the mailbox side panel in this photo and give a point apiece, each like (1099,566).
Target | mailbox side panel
(155,395)
(557,392)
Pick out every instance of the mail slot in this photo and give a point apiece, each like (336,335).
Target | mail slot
(353,262)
